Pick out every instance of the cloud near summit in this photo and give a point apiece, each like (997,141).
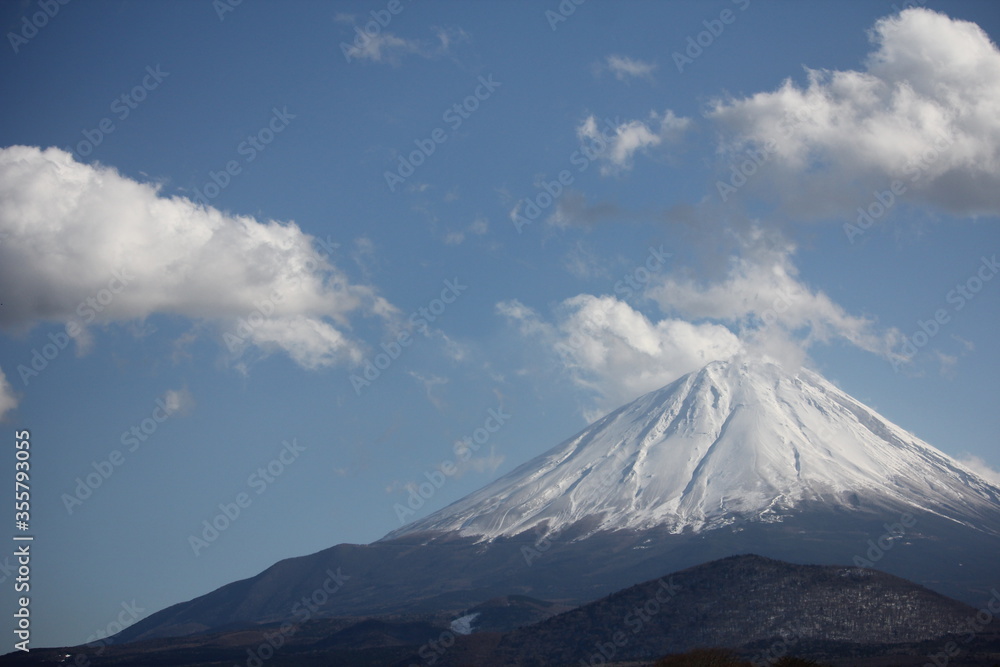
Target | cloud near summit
(615,350)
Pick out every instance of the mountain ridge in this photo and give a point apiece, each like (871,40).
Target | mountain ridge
(761,608)
(735,447)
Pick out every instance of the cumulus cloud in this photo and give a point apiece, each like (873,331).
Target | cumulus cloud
(8,399)
(925,111)
(775,312)
(625,68)
(87,246)
(758,307)
(629,138)
(615,352)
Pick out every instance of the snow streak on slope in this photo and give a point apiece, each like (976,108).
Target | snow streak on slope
(734,441)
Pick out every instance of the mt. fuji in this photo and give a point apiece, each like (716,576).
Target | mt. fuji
(739,457)
(736,441)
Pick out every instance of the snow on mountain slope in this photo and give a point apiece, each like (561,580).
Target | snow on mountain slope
(737,440)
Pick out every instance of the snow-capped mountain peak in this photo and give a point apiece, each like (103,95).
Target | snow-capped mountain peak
(736,441)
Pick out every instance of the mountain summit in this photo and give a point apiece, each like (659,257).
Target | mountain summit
(736,441)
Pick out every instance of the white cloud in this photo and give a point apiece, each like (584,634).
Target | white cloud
(631,137)
(178,401)
(467,462)
(775,312)
(981,468)
(616,353)
(925,111)
(72,228)
(429,382)
(583,263)
(759,307)
(947,362)
(8,399)
(625,68)
(479,227)
(385,47)
(388,48)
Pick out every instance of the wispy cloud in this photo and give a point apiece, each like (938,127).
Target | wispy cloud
(179,401)
(390,49)
(625,68)
(477,227)
(429,382)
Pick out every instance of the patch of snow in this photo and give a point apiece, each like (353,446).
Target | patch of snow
(463,625)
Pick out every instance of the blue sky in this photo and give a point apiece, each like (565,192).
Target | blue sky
(204,199)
